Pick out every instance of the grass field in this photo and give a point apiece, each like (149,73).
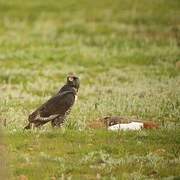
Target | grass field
(127,55)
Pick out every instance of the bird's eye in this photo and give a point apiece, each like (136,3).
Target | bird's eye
(71,78)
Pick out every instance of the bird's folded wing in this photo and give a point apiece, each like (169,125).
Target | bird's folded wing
(62,97)
(58,104)
(55,107)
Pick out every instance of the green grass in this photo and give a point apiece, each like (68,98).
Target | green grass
(84,155)
(125,53)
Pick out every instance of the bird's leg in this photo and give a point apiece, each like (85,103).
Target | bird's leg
(57,122)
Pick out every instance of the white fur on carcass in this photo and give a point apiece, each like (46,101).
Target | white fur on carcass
(128,126)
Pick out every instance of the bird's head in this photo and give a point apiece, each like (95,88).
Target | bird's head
(73,81)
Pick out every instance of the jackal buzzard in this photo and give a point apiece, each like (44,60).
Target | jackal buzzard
(57,107)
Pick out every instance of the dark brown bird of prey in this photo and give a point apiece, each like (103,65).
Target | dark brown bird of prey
(57,107)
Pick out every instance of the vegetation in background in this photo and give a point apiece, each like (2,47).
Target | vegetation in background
(125,53)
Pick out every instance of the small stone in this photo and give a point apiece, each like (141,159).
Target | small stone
(23,177)
(53,178)
(160,151)
(178,65)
